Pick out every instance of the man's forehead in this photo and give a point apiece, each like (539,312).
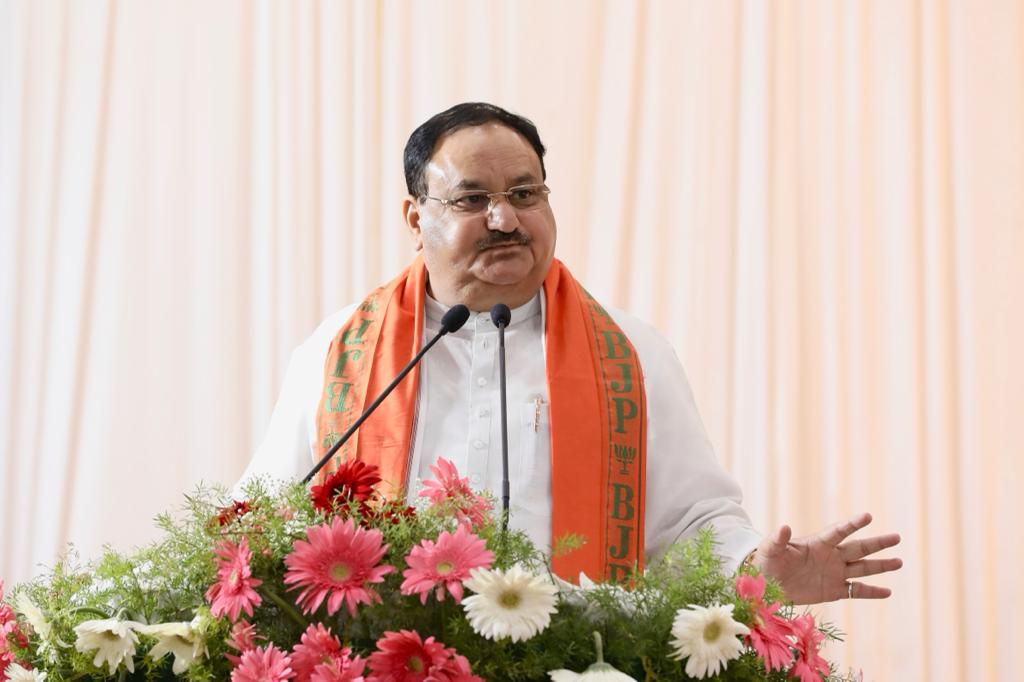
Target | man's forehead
(477,156)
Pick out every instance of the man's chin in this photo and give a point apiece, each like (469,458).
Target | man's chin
(504,266)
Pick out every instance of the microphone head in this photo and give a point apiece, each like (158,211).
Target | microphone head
(501,315)
(454,318)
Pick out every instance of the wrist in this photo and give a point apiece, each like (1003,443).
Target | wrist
(747,565)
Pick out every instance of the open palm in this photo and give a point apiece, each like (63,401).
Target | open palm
(820,567)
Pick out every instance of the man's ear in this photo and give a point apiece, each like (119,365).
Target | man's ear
(411,213)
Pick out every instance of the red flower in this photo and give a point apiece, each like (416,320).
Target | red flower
(405,657)
(232,512)
(809,666)
(353,481)
(391,511)
(769,633)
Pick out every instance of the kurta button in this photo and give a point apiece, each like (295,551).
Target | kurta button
(483,412)
(481,381)
(479,444)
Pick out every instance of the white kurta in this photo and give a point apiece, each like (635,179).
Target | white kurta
(459,419)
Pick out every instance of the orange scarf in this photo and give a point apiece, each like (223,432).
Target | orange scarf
(597,404)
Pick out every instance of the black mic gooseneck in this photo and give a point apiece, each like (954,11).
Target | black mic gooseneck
(452,321)
(501,316)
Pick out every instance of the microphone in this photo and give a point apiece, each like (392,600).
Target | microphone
(501,316)
(451,322)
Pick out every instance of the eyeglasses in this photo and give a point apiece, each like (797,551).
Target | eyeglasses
(475,202)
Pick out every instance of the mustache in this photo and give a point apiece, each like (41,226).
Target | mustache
(495,239)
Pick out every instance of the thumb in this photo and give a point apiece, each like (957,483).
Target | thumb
(776,543)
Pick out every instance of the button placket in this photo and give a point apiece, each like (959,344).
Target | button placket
(479,407)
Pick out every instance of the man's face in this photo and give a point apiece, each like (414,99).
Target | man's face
(500,255)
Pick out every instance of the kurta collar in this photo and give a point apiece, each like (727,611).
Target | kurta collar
(436,310)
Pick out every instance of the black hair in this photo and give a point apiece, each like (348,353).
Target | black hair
(420,147)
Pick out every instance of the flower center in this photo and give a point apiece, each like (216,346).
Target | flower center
(712,631)
(234,578)
(509,599)
(444,567)
(340,571)
(415,664)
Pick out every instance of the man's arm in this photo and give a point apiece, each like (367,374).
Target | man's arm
(687,488)
(286,451)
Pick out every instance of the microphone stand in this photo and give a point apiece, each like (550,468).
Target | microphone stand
(501,316)
(452,321)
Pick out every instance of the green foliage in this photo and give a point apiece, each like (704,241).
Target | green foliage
(167,581)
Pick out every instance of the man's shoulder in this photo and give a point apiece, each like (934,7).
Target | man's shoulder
(320,340)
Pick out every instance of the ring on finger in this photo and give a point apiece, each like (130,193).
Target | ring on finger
(849,589)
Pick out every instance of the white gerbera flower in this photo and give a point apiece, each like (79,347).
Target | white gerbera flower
(708,637)
(514,603)
(15,673)
(34,615)
(113,641)
(181,639)
(594,611)
(42,627)
(597,672)
(608,674)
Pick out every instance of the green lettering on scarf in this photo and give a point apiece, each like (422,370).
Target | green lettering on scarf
(337,394)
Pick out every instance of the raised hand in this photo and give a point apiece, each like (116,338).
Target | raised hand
(821,567)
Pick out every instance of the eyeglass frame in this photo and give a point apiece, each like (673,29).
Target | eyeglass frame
(449,203)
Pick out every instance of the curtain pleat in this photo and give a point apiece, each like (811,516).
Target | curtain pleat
(820,204)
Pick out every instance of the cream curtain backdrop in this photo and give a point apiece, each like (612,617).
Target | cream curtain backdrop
(821,204)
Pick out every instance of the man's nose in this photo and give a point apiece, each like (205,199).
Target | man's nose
(501,216)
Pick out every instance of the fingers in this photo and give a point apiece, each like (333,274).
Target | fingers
(838,532)
(775,543)
(862,591)
(858,549)
(860,569)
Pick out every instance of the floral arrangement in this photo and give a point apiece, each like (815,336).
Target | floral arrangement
(339,584)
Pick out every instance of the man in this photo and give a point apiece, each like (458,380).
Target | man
(604,438)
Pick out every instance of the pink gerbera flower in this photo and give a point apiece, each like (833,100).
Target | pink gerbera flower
(320,649)
(405,657)
(268,664)
(469,507)
(234,590)
(444,564)
(769,633)
(242,638)
(9,628)
(809,666)
(338,561)
(455,669)
(346,668)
